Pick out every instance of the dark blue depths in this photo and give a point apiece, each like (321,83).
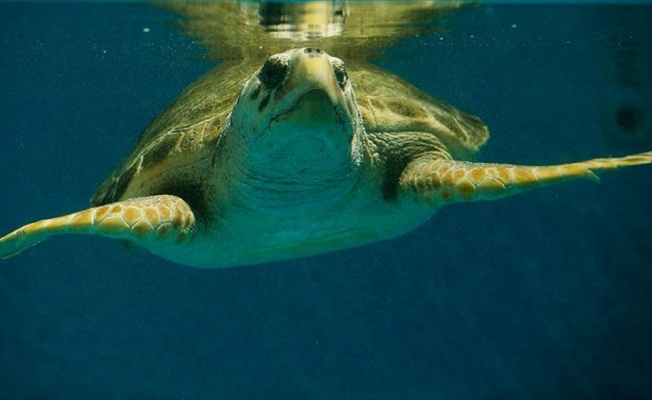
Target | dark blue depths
(543,295)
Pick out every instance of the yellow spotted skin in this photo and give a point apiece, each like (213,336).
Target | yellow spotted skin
(155,218)
(444,181)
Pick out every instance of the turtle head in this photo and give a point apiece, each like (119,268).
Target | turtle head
(298,113)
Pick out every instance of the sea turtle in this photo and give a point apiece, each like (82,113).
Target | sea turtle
(299,157)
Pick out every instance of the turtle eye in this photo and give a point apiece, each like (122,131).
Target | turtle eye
(274,71)
(340,73)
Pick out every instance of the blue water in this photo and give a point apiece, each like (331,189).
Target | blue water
(544,295)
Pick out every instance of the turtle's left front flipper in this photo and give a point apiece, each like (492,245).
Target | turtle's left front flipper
(154,218)
(439,182)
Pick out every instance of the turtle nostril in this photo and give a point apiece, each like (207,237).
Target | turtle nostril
(310,50)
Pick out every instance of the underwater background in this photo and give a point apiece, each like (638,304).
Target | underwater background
(543,295)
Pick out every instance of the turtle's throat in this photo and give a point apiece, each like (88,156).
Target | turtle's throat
(307,166)
(306,158)
(311,139)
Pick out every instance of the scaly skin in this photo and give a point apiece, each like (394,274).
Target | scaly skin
(162,218)
(441,182)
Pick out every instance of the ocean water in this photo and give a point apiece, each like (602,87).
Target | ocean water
(543,295)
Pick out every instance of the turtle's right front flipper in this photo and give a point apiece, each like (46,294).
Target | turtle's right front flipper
(156,218)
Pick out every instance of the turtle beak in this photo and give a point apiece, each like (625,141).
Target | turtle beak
(316,74)
(316,107)
(311,81)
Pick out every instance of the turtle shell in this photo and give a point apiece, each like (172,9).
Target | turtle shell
(389,103)
(181,140)
(180,145)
